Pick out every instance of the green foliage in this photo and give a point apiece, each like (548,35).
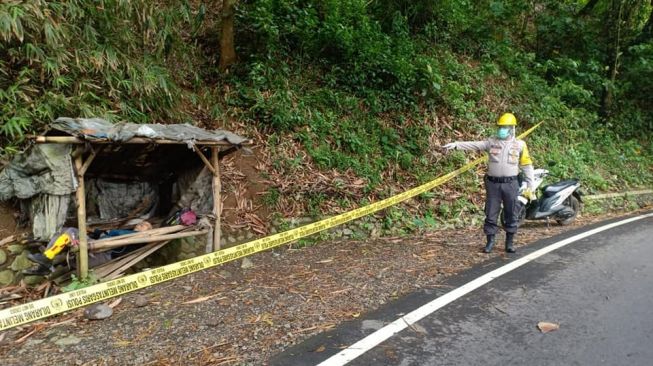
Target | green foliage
(364,86)
(77,283)
(75,58)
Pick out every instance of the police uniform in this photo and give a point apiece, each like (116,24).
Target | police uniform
(505,156)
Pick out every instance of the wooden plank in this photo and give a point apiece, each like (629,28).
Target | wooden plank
(217,199)
(82,256)
(133,140)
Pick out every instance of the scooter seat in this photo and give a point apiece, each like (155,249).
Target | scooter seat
(557,187)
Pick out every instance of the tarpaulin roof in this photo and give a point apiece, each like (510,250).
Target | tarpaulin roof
(100,129)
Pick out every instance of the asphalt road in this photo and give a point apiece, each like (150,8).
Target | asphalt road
(598,289)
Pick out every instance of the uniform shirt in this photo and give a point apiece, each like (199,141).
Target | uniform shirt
(505,157)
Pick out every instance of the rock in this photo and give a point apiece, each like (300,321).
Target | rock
(15,248)
(187,288)
(67,341)
(241,238)
(98,312)
(371,324)
(347,231)
(21,262)
(213,322)
(249,235)
(231,239)
(225,274)
(188,245)
(33,342)
(6,277)
(247,263)
(3,256)
(223,242)
(140,301)
(33,280)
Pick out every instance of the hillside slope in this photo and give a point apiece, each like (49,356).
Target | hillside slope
(348,101)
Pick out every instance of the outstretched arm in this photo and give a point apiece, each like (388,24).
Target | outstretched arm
(467,145)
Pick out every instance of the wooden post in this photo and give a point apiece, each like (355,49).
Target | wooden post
(217,202)
(82,255)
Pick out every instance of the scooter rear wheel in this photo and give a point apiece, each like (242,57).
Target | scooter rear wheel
(575,206)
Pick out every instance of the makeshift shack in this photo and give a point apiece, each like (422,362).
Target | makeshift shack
(92,174)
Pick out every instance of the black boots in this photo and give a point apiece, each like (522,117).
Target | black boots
(509,241)
(490,244)
(510,237)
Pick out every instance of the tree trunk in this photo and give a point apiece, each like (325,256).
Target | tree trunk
(587,8)
(613,60)
(647,32)
(227,50)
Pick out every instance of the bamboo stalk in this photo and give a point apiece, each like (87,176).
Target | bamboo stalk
(217,200)
(89,160)
(162,230)
(119,243)
(133,140)
(137,258)
(82,257)
(106,268)
(205,160)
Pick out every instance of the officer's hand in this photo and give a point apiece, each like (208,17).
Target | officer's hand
(449,147)
(530,195)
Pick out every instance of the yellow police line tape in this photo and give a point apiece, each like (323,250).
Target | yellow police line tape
(39,309)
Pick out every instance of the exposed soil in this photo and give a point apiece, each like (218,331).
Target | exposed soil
(243,316)
(8,222)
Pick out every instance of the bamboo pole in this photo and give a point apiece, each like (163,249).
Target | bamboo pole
(119,271)
(89,160)
(82,256)
(127,261)
(105,269)
(133,140)
(217,199)
(159,231)
(205,160)
(119,243)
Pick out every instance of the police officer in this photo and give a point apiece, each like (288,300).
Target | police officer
(505,155)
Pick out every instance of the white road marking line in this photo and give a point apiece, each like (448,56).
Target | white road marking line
(355,350)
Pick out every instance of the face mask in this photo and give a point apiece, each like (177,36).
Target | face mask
(503,133)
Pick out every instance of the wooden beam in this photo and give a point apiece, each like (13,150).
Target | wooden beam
(133,140)
(217,198)
(82,255)
(206,161)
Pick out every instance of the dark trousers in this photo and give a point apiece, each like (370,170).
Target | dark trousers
(498,193)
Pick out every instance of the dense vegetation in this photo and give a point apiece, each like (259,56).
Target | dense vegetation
(369,85)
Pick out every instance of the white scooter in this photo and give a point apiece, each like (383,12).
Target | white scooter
(560,201)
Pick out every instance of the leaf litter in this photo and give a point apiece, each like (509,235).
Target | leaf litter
(286,298)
